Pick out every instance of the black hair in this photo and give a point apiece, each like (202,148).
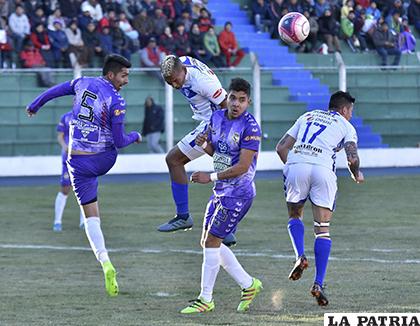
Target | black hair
(240,84)
(228,23)
(339,100)
(114,63)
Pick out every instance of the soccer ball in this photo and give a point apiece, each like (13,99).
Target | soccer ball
(293,27)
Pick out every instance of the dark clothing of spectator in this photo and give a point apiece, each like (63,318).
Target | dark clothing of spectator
(31,6)
(168,9)
(59,47)
(182,44)
(153,125)
(385,43)
(83,21)
(329,29)
(167,43)
(41,41)
(120,42)
(181,6)
(198,49)
(159,23)
(148,5)
(144,25)
(131,8)
(70,8)
(413,13)
(106,41)
(111,5)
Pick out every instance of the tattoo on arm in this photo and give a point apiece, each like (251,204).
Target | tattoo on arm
(352,157)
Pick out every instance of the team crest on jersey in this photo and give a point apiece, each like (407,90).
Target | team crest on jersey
(235,137)
(188,92)
(223,147)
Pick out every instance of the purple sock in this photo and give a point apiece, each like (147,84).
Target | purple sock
(297,233)
(322,248)
(180,195)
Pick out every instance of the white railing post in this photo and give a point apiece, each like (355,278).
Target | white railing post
(169,117)
(342,72)
(256,85)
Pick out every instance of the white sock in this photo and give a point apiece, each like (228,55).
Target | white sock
(233,268)
(82,217)
(209,271)
(96,238)
(60,203)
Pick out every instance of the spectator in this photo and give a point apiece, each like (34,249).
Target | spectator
(78,53)
(294,6)
(197,5)
(19,26)
(38,17)
(108,20)
(394,22)
(406,41)
(111,5)
(151,57)
(413,12)
(347,27)
(309,45)
(181,6)
(144,25)
(120,42)
(94,8)
(328,29)
(148,5)
(30,6)
(276,8)
(129,31)
(204,21)
(40,40)
(55,17)
(153,125)
(212,46)
(260,14)
(309,6)
(185,19)
(4,8)
(198,49)
(106,40)
(90,36)
(167,41)
(395,6)
(373,11)
(182,42)
(31,58)
(6,47)
(59,44)
(70,7)
(363,3)
(168,9)
(347,8)
(159,22)
(229,46)
(85,18)
(321,6)
(385,43)
(131,8)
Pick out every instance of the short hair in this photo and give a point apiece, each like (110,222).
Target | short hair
(114,63)
(228,23)
(240,84)
(339,100)
(169,65)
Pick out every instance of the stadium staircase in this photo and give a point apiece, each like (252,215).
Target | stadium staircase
(302,86)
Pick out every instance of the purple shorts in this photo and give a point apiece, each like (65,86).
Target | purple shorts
(65,177)
(224,213)
(84,172)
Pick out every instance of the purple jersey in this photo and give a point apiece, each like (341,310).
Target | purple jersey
(64,125)
(96,107)
(228,137)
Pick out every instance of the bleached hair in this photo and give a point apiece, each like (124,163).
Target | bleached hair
(170,65)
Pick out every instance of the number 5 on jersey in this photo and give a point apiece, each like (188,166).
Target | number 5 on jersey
(84,104)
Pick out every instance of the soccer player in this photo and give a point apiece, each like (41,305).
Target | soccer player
(96,131)
(61,198)
(308,150)
(232,138)
(204,92)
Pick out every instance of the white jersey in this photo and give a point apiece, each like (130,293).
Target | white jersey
(201,88)
(319,136)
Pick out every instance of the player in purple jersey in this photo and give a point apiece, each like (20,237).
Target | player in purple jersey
(308,150)
(96,131)
(232,139)
(61,198)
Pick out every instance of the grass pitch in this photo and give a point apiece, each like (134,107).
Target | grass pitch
(54,279)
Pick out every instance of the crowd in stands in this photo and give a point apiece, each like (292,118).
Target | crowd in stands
(66,33)
(381,25)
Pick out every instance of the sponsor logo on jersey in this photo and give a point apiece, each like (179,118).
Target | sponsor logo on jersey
(257,138)
(118,112)
(235,137)
(218,93)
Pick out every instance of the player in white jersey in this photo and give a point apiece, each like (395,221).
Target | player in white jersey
(204,92)
(308,150)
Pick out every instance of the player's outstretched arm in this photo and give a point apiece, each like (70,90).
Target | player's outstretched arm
(66,88)
(353,161)
(121,139)
(284,146)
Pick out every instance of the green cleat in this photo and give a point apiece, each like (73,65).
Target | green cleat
(249,294)
(110,274)
(198,306)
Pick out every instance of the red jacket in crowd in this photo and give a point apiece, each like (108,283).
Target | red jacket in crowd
(227,40)
(32,58)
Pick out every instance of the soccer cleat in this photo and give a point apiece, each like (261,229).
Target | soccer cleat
(198,305)
(176,224)
(249,294)
(318,292)
(300,265)
(110,274)
(57,227)
(230,240)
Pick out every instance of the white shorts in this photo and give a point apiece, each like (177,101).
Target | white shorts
(302,180)
(187,144)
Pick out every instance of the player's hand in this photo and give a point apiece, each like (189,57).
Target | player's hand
(201,138)
(359,178)
(200,177)
(139,140)
(29,113)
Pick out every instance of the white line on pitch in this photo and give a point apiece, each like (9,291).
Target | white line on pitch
(243,253)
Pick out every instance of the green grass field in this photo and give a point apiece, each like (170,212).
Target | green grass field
(52,279)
